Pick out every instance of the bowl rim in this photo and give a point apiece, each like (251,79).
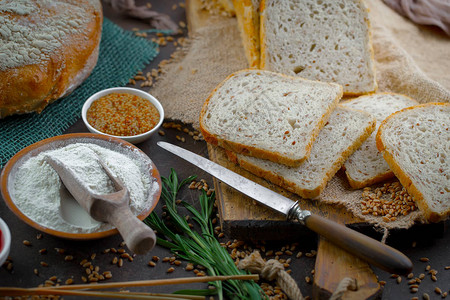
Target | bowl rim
(6,234)
(87,104)
(4,178)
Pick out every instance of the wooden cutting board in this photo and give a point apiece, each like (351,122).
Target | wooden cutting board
(243,218)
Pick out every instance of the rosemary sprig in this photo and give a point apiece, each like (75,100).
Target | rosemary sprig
(200,248)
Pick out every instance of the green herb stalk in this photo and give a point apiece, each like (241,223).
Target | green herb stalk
(200,248)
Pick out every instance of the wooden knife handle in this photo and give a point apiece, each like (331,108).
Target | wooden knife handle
(360,245)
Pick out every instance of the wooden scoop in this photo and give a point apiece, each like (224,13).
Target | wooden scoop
(111,208)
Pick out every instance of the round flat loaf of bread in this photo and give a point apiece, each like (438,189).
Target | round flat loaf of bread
(47,49)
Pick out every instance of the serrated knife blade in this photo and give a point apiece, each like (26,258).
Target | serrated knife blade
(360,245)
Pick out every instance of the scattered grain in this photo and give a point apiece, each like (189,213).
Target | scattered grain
(49,283)
(60,250)
(389,201)
(26,243)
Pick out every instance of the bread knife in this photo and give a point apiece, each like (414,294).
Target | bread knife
(360,245)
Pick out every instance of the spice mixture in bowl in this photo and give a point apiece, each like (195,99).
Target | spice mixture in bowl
(33,191)
(127,113)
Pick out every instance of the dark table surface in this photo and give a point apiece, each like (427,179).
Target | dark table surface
(431,241)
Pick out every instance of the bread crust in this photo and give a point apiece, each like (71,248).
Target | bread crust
(294,187)
(405,180)
(362,184)
(30,88)
(254,151)
(248,21)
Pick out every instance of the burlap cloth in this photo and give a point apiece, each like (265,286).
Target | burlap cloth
(410,59)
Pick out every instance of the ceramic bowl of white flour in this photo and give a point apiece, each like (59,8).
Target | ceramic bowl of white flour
(34,192)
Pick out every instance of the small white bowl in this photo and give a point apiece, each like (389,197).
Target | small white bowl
(5,242)
(131,138)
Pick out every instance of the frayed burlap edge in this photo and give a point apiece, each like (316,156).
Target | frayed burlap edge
(211,54)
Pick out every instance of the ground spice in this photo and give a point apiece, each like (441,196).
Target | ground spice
(122,114)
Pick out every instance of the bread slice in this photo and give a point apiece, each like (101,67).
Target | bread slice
(416,145)
(247,14)
(268,115)
(367,166)
(344,133)
(326,40)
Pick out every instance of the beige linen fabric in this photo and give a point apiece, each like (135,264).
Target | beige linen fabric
(410,59)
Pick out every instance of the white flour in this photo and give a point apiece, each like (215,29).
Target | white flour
(36,190)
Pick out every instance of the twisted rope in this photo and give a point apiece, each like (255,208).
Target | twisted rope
(271,270)
(346,284)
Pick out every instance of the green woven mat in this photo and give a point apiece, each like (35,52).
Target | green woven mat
(122,54)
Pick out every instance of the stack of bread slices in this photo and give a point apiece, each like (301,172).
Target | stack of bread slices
(283,119)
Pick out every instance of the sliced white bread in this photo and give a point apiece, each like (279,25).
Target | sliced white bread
(326,40)
(415,142)
(247,14)
(367,166)
(344,132)
(268,115)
